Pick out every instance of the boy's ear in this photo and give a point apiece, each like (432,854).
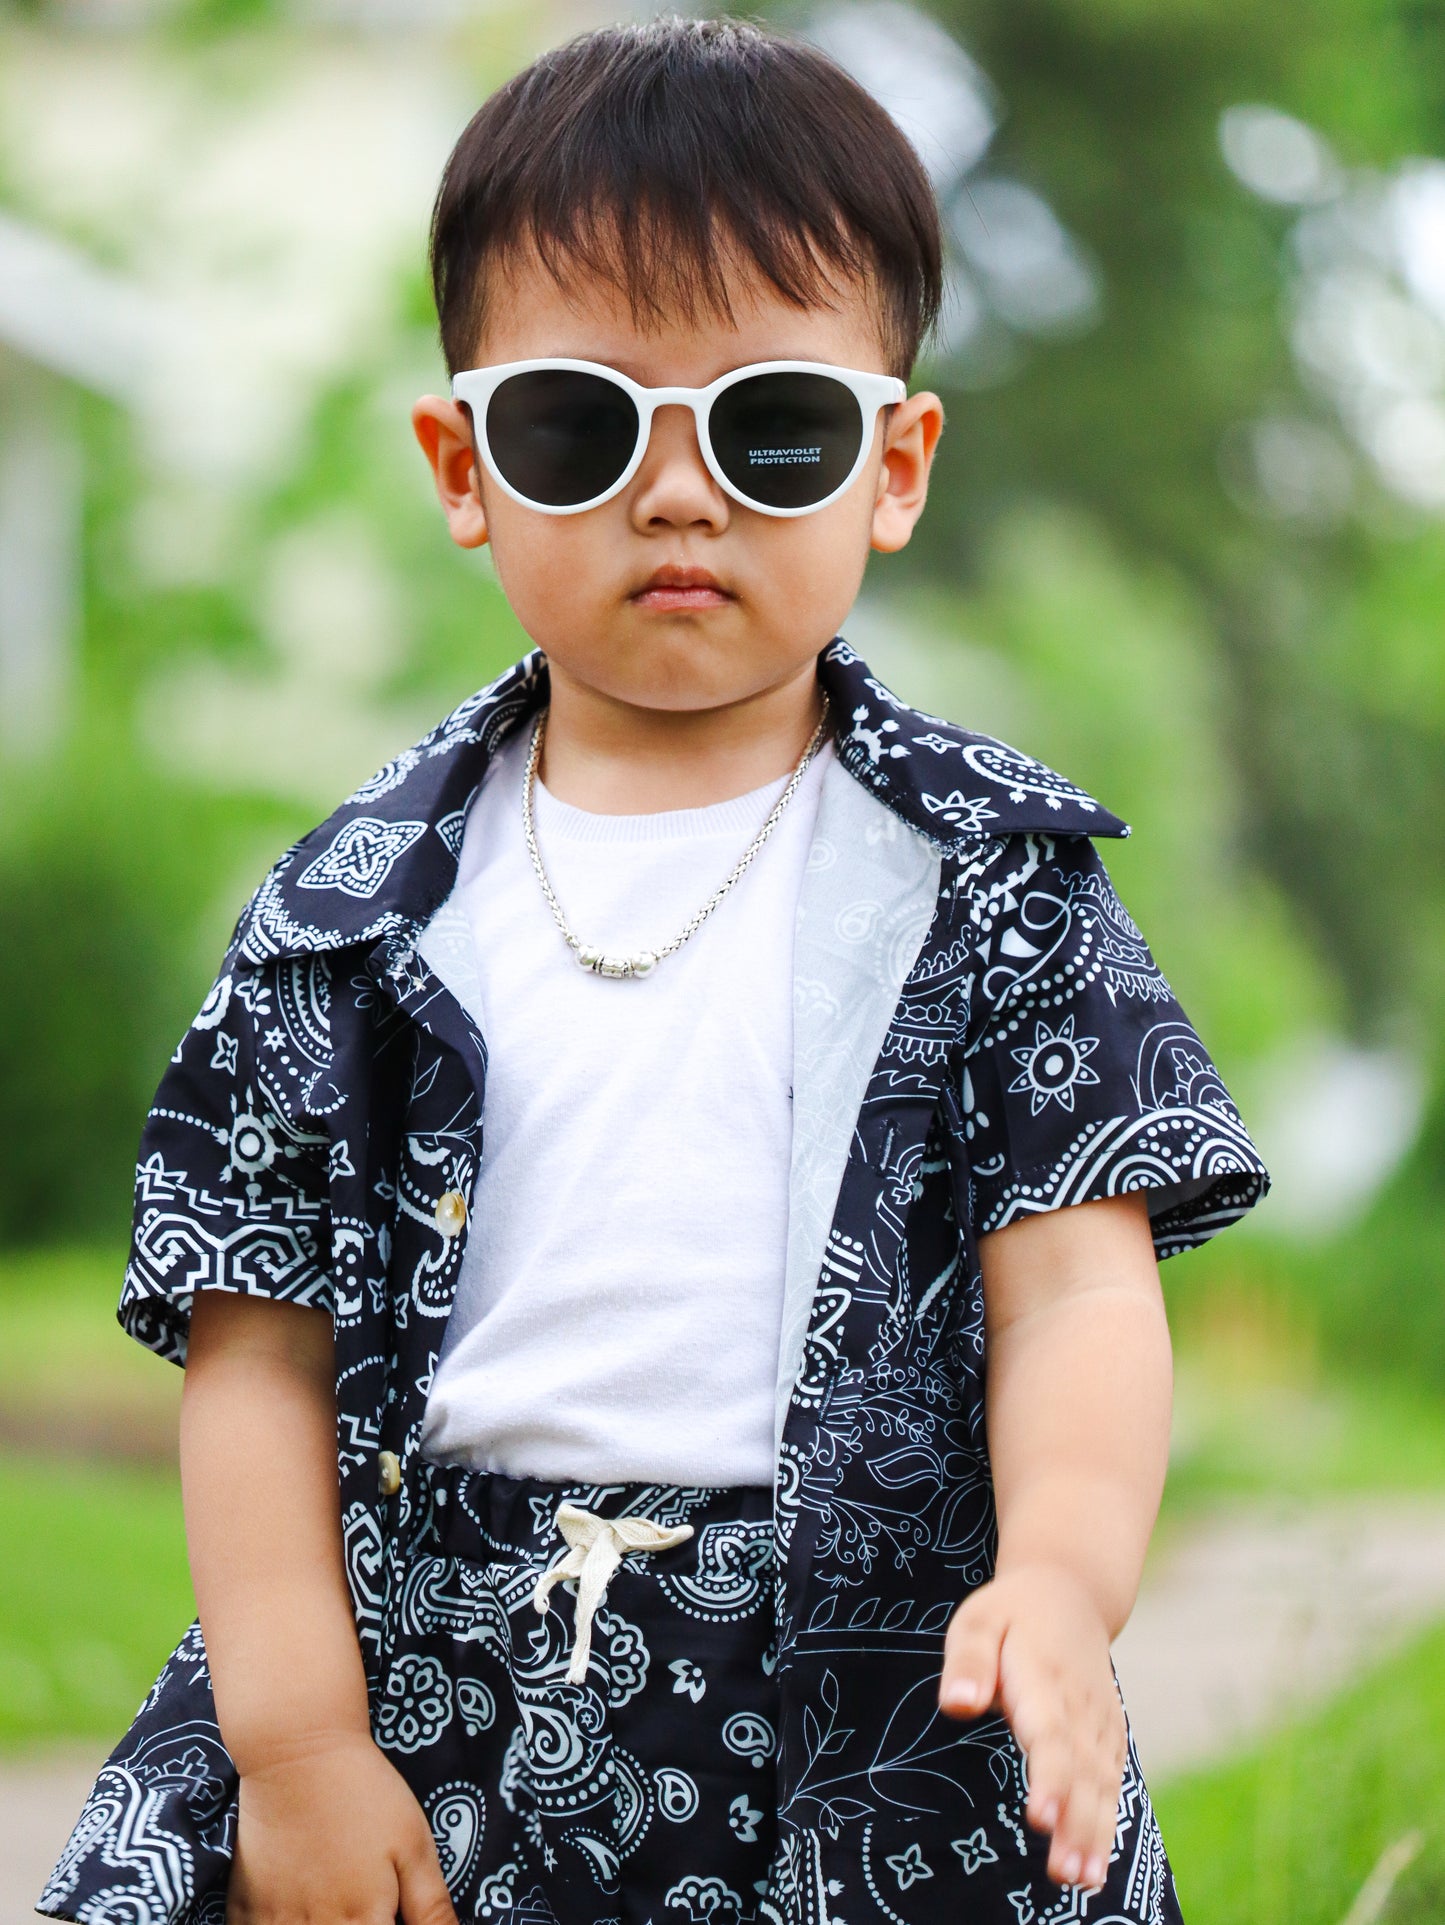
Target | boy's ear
(909,439)
(444,429)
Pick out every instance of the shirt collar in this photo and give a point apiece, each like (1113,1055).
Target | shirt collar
(384,861)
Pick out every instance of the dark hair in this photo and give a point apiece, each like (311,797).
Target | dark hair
(654,154)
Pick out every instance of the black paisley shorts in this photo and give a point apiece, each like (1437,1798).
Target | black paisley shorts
(585,1772)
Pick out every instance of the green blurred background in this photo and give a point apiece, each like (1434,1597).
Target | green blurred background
(1186,542)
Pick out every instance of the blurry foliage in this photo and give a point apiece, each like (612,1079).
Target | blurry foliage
(1289,1834)
(69,1370)
(1258,1411)
(1325,641)
(92,1532)
(1379,1289)
(120,891)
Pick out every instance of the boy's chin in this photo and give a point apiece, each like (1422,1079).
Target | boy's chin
(677,666)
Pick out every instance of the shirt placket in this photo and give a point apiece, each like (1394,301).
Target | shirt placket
(446,1101)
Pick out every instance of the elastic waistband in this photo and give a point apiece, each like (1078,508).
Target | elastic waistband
(481,1514)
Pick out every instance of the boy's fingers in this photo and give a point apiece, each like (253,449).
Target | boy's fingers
(1032,1701)
(1104,1780)
(425,1899)
(1052,1767)
(1106,1821)
(1066,1852)
(1079,1854)
(1088,1823)
(969,1682)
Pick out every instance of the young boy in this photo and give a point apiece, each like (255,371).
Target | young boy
(672,1438)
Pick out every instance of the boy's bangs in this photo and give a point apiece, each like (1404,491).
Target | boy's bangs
(694,263)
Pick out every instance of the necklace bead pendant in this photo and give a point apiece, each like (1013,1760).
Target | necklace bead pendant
(600,964)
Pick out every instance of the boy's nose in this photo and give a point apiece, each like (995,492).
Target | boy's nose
(672,486)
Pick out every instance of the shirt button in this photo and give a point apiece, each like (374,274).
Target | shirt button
(451,1212)
(388,1466)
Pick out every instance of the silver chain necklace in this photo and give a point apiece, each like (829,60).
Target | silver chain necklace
(646,960)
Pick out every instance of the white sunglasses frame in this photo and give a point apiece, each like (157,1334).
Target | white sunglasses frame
(476,386)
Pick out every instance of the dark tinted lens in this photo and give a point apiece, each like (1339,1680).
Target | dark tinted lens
(786,440)
(560,437)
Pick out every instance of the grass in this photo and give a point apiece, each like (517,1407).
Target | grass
(96,1598)
(69,1375)
(95,1590)
(1259,1410)
(58,1304)
(1288,1834)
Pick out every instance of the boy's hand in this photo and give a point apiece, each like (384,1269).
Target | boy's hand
(1032,1644)
(334,1834)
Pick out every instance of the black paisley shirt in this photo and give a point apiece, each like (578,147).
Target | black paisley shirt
(982,1032)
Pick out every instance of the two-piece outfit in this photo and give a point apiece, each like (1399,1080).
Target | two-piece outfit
(658,1314)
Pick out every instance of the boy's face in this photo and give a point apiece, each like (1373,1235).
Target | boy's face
(768,591)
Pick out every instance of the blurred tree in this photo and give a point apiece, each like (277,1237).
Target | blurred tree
(1328,626)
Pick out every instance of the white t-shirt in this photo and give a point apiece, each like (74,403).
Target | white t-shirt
(618,1309)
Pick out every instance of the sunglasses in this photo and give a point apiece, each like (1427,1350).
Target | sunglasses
(784,437)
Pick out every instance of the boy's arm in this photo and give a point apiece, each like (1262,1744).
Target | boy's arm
(328,1828)
(1078,1404)
(263,1526)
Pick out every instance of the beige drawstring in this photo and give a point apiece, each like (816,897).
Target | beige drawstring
(599,1545)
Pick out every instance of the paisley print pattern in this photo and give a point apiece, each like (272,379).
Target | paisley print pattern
(1080,1076)
(657,1772)
(163,1809)
(331,1090)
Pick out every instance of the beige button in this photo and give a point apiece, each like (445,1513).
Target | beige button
(451,1212)
(388,1466)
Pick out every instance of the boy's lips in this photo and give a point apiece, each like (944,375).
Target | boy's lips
(673,590)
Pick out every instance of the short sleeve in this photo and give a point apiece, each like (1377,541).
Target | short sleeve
(1081,1075)
(231,1188)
